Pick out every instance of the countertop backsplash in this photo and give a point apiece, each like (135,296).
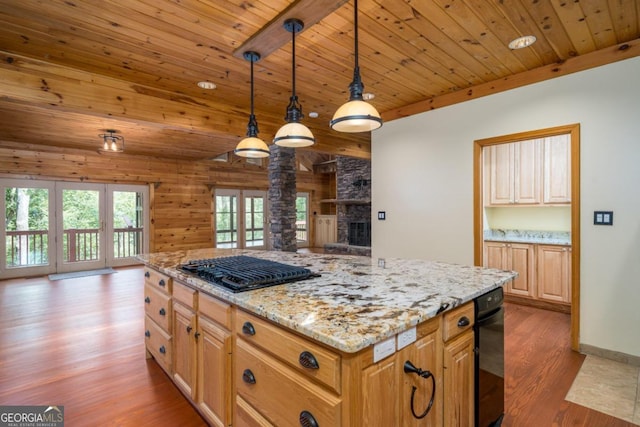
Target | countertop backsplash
(529,236)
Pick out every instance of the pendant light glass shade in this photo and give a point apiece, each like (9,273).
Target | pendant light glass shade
(356,115)
(294,134)
(252,146)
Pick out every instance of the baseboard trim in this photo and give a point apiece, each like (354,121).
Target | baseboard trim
(610,354)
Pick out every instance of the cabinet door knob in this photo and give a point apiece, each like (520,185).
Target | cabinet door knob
(147,333)
(162,283)
(196,335)
(308,360)
(248,377)
(162,312)
(463,322)
(147,300)
(147,274)
(163,350)
(308,420)
(248,329)
(189,328)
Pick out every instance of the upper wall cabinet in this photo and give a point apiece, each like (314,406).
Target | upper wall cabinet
(531,172)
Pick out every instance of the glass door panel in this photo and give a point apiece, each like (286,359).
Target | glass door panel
(126,224)
(26,239)
(254,220)
(81,240)
(302,219)
(227,219)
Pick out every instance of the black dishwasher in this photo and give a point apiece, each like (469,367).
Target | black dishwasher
(489,358)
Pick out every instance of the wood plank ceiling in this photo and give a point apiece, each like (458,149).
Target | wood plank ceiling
(70,69)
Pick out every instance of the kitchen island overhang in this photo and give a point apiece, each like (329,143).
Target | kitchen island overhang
(356,302)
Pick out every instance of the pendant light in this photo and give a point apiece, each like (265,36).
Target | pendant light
(356,115)
(252,146)
(294,134)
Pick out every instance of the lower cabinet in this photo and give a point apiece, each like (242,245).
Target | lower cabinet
(544,271)
(459,380)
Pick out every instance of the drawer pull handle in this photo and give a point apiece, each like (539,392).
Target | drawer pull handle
(147,300)
(463,322)
(163,350)
(308,420)
(147,274)
(308,360)
(248,329)
(162,312)
(147,333)
(196,335)
(248,377)
(189,328)
(161,283)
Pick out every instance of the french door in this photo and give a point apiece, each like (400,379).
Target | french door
(61,227)
(240,219)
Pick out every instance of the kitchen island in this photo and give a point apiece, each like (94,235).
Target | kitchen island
(328,350)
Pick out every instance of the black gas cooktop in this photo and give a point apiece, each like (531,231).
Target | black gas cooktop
(244,273)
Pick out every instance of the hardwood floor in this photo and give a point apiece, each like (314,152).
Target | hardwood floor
(79,343)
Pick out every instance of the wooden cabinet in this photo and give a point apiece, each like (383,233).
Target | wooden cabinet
(326,230)
(514,173)
(519,257)
(557,169)
(157,307)
(554,273)
(459,367)
(532,172)
(184,348)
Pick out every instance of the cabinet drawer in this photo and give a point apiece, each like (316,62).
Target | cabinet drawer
(186,295)
(158,343)
(281,393)
(157,305)
(158,280)
(306,357)
(457,321)
(246,416)
(215,310)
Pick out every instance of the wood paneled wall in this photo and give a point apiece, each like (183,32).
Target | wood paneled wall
(180,191)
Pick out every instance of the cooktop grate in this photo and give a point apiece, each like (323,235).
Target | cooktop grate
(243,273)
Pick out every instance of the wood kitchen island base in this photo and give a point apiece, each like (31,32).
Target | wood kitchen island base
(243,369)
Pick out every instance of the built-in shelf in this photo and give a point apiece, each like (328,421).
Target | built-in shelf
(346,201)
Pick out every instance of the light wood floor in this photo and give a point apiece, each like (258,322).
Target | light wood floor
(79,343)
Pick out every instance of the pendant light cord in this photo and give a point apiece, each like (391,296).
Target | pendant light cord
(355,21)
(293,62)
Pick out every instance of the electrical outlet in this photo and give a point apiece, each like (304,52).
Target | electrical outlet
(384,349)
(407,337)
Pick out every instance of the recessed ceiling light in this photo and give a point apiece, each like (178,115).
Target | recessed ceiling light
(207,85)
(522,42)
(313,114)
(368,96)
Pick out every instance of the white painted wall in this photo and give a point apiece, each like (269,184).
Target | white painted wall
(422,176)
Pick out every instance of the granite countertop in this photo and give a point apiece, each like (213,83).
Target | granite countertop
(529,236)
(356,302)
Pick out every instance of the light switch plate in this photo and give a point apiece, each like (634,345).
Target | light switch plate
(603,218)
(382,215)
(384,349)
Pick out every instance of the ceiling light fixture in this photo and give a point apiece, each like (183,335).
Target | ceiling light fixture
(111,142)
(356,115)
(252,146)
(207,85)
(294,134)
(522,42)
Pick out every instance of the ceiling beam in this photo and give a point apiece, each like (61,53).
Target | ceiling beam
(272,36)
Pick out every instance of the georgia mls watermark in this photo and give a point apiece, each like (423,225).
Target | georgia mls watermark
(31,416)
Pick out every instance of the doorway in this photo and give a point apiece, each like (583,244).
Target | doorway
(55,227)
(240,219)
(479,184)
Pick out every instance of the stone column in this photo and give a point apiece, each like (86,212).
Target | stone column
(282,199)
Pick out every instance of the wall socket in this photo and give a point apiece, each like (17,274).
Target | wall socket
(407,337)
(603,218)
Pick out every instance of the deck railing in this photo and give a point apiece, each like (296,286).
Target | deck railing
(301,231)
(31,247)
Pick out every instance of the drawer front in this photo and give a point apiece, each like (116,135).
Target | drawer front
(158,342)
(304,356)
(186,295)
(246,416)
(282,394)
(214,309)
(457,321)
(157,305)
(160,281)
